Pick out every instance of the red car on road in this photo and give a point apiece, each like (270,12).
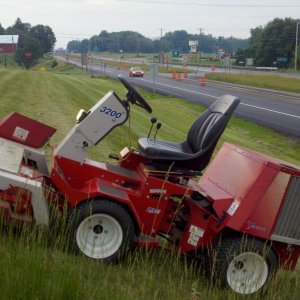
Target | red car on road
(136,72)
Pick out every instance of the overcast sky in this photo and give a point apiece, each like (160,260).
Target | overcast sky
(79,19)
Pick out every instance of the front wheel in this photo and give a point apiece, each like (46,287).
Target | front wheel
(245,265)
(101,230)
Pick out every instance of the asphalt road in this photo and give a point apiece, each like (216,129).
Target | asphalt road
(273,109)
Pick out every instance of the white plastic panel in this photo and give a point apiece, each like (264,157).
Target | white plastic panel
(10,156)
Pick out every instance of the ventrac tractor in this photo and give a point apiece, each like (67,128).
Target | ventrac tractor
(239,217)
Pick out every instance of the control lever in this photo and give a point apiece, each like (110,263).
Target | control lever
(153,121)
(158,126)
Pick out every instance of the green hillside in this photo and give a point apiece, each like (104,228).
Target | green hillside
(34,264)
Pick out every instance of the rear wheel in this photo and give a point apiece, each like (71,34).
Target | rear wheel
(101,230)
(244,265)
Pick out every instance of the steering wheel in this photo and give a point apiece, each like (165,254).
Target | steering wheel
(133,96)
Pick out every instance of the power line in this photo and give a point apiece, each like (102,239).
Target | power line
(211,4)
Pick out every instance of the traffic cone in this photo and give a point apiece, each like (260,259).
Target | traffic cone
(202,80)
(185,74)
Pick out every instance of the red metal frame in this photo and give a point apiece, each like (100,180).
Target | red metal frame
(244,193)
(23,130)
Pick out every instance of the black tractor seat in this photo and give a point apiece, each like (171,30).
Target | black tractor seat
(195,152)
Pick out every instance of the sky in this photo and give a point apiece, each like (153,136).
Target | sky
(79,19)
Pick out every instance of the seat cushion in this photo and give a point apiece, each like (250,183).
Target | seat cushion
(162,150)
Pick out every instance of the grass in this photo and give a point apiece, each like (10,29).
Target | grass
(7,61)
(275,82)
(34,265)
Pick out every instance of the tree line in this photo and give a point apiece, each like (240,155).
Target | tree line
(134,42)
(36,40)
(269,45)
(272,45)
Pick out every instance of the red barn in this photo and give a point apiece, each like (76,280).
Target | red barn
(8,44)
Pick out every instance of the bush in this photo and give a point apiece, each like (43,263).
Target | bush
(54,64)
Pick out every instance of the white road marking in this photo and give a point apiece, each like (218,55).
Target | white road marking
(249,90)
(203,94)
(271,110)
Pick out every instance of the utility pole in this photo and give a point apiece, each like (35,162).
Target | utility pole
(161,32)
(137,44)
(160,51)
(12,44)
(296,46)
(199,42)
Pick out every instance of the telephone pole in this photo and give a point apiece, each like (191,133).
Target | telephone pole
(199,42)
(296,46)
(160,51)
(161,32)
(137,44)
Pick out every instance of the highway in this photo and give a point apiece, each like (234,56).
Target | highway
(273,109)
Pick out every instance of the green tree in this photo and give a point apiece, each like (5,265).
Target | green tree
(178,40)
(73,46)
(2,30)
(30,45)
(240,57)
(298,57)
(19,28)
(45,36)
(130,41)
(276,39)
(23,27)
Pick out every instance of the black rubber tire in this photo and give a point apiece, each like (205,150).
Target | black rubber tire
(112,212)
(235,251)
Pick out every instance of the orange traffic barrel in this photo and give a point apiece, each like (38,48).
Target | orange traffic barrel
(202,80)
(174,75)
(178,76)
(213,67)
(185,74)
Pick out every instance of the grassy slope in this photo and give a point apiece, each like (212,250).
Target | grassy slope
(36,268)
(275,82)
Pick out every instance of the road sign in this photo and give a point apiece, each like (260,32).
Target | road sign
(226,61)
(249,61)
(28,54)
(193,49)
(175,53)
(281,59)
(193,43)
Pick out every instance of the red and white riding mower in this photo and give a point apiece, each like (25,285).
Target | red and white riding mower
(245,207)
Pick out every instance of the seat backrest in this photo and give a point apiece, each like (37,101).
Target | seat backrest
(207,129)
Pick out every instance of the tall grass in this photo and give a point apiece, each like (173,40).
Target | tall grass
(275,82)
(34,262)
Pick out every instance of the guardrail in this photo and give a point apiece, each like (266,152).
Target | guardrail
(267,68)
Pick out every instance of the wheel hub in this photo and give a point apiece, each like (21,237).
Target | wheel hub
(99,236)
(247,273)
(98,229)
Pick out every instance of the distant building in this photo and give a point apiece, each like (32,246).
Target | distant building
(221,53)
(8,44)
